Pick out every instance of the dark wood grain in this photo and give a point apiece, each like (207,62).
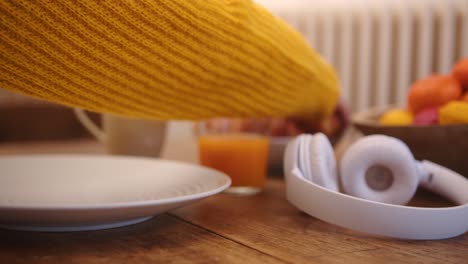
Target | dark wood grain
(161,240)
(270,224)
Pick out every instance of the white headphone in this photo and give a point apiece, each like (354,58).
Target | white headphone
(381,174)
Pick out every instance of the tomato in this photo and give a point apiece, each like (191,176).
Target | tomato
(433,91)
(460,72)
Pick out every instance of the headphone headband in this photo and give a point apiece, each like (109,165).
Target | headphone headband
(373,217)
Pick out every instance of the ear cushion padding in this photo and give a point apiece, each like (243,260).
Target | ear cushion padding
(304,165)
(291,155)
(384,151)
(322,162)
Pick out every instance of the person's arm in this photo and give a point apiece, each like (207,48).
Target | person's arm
(164,59)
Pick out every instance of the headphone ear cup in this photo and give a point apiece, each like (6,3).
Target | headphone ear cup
(373,157)
(322,162)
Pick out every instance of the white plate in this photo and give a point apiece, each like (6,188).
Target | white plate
(82,192)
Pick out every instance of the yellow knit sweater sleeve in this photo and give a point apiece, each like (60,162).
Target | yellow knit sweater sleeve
(163,59)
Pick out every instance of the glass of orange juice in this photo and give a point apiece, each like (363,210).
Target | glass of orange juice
(243,156)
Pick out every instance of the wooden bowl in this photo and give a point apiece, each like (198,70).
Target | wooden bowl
(446,145)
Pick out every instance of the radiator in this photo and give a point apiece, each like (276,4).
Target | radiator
(379,47)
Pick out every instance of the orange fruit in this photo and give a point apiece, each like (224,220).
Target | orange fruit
(433,91)
(465,97)
(460,72)
(455,112)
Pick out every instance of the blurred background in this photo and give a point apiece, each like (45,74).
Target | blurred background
(379,47)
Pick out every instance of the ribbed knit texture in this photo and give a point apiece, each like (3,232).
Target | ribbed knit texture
(164,59)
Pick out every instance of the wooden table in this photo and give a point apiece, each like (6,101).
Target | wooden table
(263,228)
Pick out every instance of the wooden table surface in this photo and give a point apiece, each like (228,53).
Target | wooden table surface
(263,228)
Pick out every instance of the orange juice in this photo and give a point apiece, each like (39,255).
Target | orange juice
(241,156)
